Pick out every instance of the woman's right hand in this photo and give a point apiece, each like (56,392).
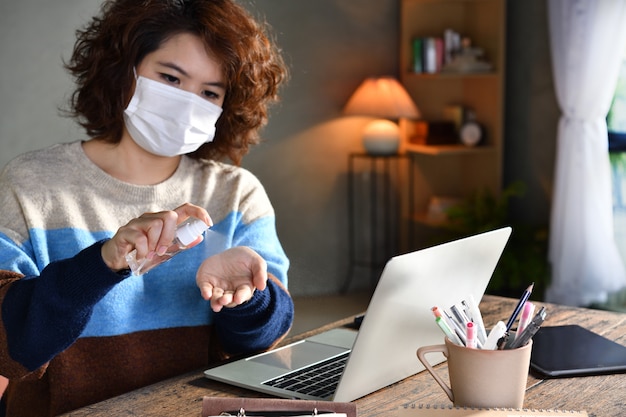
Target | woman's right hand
(150,234)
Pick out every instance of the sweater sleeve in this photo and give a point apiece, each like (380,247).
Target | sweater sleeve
(258,324)
(43,315)
(264,320)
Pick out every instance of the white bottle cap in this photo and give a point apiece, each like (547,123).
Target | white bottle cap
(189,231)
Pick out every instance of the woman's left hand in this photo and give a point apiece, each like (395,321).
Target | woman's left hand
(230,278)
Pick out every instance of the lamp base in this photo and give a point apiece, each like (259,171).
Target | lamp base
(381,137)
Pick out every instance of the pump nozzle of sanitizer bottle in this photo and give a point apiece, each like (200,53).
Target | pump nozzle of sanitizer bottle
(188,234)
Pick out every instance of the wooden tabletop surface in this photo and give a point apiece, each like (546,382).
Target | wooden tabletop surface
(599,395)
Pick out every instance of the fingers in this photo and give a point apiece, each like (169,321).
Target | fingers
(206,290)
(149,234)
(190,210)
(152,233)
(221,299)
(259,274)
(159,229)
(229,299)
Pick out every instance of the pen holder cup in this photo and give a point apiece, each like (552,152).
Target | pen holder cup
(482,378)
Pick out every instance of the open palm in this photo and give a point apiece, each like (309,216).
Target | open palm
(230,278)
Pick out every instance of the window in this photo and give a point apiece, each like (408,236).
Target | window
(616,124)
(616,119)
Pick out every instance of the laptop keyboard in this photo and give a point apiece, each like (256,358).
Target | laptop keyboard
(318,380)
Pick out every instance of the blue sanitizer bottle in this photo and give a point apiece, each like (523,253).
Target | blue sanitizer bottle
(188,234)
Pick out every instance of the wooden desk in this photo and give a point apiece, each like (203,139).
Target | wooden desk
(598,395)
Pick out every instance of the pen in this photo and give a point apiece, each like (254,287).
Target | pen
(520,304)
(470,335)
(459,315)
(458,328)
(476,317)
(447,331)
(530,330)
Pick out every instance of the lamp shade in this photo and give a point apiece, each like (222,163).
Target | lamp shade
(382,97)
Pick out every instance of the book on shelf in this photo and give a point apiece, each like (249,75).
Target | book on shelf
(428,55)
(432,53)
(447,53)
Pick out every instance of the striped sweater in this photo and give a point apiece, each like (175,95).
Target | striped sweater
(72,332)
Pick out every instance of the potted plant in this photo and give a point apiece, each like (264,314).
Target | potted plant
(524,259)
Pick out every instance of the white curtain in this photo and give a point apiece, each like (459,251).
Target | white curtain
(587,40)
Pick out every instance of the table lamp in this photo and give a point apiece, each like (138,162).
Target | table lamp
(386,99)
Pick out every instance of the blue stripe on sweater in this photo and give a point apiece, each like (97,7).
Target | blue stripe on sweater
(165,297)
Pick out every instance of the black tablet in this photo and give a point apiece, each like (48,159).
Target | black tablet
(565,351)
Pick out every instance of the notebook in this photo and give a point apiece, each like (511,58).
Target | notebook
(273,407)
(397,322)
(572,350)
(425,410)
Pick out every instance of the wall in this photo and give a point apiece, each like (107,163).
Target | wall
(34,37)
(330,45)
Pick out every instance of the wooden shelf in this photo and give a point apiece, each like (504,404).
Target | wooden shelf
(444,74)
(446,149)
(453,170)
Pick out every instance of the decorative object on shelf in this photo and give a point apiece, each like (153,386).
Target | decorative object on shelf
(386,99)
(471,133)
(456,114)
(433,133)
(468,60)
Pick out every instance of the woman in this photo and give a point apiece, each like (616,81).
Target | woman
(165,90)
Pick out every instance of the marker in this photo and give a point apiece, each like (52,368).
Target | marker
(527,314)
(495,335)
(449,324)
(470,335)
(447,331)
(520,304)
(437,312)
(476,317)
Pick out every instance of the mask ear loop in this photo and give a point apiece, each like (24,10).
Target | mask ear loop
(134,87)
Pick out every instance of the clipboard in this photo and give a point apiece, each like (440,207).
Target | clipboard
(274,407)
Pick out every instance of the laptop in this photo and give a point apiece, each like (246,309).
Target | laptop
(397,322)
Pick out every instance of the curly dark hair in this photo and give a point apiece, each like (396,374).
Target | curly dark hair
(109,47)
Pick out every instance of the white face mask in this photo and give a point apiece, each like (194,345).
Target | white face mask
(168,121)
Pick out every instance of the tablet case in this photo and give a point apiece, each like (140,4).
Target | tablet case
(571,350)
